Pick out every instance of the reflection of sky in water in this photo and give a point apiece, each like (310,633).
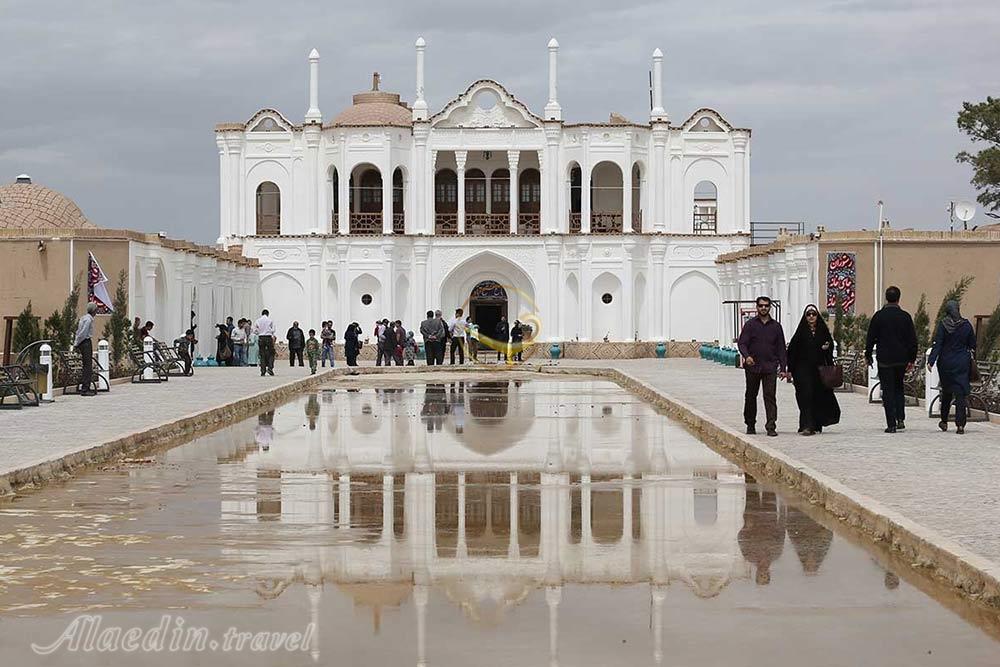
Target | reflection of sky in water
(482,496)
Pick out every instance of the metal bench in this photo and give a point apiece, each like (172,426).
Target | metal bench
(984,395)
(16,381)
(913,384)
(70,365)
(142,361)
(169,360)
(851,364)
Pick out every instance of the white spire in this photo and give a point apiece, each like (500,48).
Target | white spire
(420,104)
(314,115)
(658,113)
(552,110)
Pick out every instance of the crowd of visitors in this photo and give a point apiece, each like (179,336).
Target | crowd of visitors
(808,363)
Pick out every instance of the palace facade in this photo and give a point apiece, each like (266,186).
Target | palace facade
(586,231)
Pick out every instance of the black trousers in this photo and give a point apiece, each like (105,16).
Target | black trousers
(293,355)
(890,379)
(186,358)
(961,407)
(265,346)
(770,384)
(459,344)
(502,348)
(382,353)
(441,345)
(430,351)
(86,350)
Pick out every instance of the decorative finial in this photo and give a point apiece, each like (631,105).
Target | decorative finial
(421,42)
(553,44)
(314,55)
(376,79)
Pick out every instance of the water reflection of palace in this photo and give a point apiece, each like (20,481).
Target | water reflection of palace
(484,492)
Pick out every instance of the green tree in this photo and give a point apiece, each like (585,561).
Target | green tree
(981,122)
(922,323)
(118,328)
(991,336)
(26,330)
(956,293)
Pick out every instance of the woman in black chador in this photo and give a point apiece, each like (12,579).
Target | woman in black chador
(810,348)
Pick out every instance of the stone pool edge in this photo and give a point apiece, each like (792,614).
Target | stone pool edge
(973,576)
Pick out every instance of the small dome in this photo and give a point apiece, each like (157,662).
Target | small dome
(27,205)
(375,108)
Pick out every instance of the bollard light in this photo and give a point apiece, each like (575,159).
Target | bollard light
(104,361)
(147,357)
(45,359)
(874,392)
(931,389)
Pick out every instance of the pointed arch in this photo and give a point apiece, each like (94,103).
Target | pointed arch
(456,287)
(694,292)
(283,294)
(606,308)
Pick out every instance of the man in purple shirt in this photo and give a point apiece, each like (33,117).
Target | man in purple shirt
(762,344)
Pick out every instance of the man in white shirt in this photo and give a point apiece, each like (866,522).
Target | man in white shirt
(456,327)
(264,328)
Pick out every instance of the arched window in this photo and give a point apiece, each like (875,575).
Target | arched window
(268,209)
(500,191)
(530,183)
(636,198)
(575,198)
(371,191)
(398,219)
(706,212)
(446,191)
(475,191)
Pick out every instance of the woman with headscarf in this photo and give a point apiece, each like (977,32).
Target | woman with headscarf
(352,344)
(810,348)
(224,348)
(953,351)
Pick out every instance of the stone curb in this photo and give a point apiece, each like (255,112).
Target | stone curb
(974,576)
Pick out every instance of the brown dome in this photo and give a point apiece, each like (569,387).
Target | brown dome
(375,108)
(26,205)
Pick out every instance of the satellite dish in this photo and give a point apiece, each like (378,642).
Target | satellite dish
(964,210)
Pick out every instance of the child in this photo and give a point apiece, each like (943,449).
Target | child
(312,350)
(409,349)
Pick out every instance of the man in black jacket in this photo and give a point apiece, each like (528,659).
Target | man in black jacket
(296,343)
(891,332)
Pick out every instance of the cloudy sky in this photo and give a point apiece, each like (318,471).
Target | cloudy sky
(850,101)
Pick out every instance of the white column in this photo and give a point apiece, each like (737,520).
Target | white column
(313,115)
(680,214)
(460,158)
(513,157)
(387,194)
(420,104)
(309,219)
(659,252)
(553,251)
(429,192)
(659,182)
(741,218)
(513,546)
(225,230)
(420,594)
(585,198)
(462,549)
(553,595)
(344,201)
(552,110)
(627,193)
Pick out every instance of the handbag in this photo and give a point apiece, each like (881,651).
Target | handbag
(973,370)
(832,376)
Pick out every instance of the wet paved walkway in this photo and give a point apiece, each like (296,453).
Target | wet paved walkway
(943,481)
(31,436)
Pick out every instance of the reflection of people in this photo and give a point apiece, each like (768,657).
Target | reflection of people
(810,348)
(435,407)
(312,410)
(810,540)
(953,350)
(264,432)
(456,399)
(762,537)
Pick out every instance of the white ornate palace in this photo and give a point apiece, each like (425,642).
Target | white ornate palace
(390,210)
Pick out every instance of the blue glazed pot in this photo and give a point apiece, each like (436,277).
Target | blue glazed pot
(555,351)
(661,350)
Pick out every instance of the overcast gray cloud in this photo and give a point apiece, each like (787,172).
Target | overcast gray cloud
(850,101)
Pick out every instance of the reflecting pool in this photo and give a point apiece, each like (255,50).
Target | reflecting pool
(492,520)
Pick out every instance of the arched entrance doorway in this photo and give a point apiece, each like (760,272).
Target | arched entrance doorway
(487,304)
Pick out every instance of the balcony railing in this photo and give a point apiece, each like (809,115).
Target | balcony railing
(398,223)
(529,223)
(366,223)
(605,223)
(487,223)
(705,223)
(446,224)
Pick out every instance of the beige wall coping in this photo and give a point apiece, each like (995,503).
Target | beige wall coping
(126,235)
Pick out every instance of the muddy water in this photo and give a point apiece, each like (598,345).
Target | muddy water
(479,521)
